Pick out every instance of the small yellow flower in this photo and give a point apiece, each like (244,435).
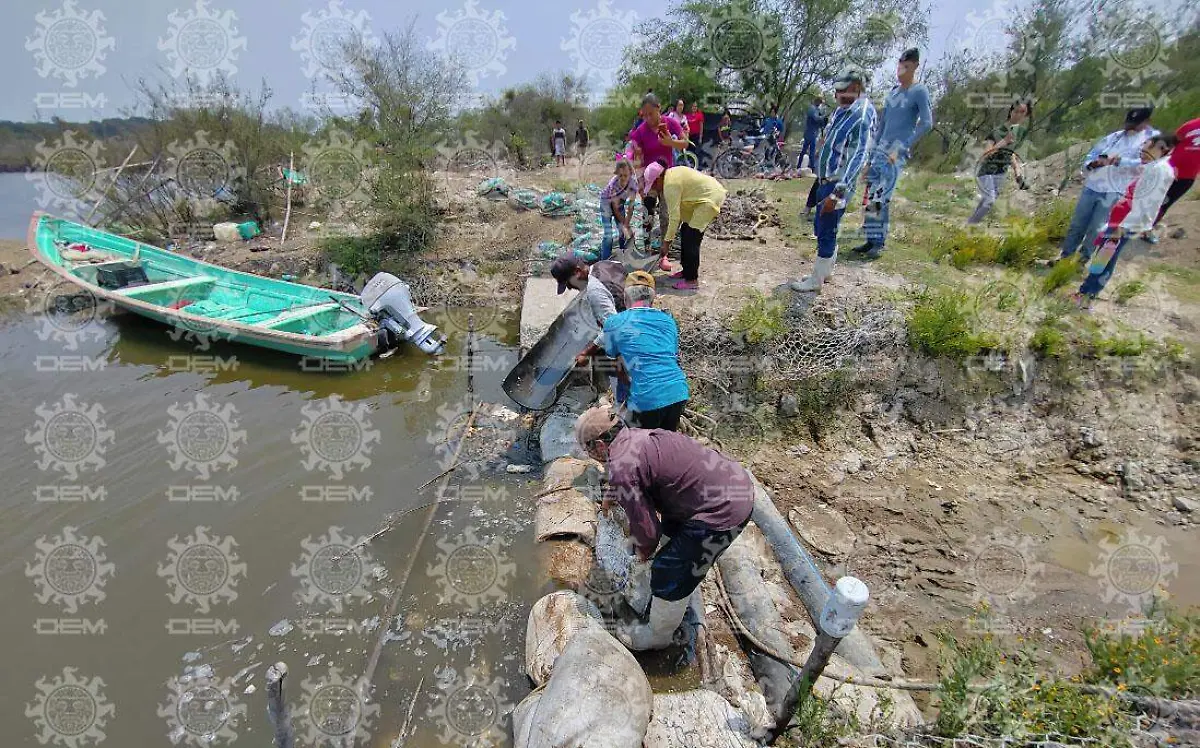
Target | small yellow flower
(1120,686)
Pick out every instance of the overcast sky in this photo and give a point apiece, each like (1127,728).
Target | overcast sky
(79,61)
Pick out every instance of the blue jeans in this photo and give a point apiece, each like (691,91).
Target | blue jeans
(611,229)
(881,183)
(1091,212)
(1095,282)
(825,225)
(808,148)
(679,567)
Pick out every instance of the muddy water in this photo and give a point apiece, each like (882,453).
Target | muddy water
(175,520)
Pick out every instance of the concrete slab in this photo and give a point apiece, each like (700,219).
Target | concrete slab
(540,306)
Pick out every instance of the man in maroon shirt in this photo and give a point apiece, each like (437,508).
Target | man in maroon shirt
(668,484)
(656,139)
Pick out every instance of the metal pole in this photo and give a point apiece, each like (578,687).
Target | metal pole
(838,618)
(277,710)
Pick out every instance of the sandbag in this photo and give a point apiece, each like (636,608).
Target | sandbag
(697,719)
(617,576)
(563,514)
(597,697)
(553,621)
(566,562)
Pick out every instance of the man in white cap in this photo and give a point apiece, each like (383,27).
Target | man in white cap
(845,145)
(669,485)
(692,200)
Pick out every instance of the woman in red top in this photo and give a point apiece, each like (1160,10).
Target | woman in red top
(695,120)
(1185,160)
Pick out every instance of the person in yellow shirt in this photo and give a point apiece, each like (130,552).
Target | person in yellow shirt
(692,201)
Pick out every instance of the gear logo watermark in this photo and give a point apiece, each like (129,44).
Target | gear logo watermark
(598,39)
(70,710)
(202,43)
(337,168)
(336,436)
(334,570)
(65,173)
(1003,568)
(470,709)
(66,313)
(335,709)
(70,436)
(202,169)
(202,436)
(1132,569)
(70,44)
(70,570)
(473,572)
(475,39)
(202,570)
(1135,51)
(201,710)
(989,36)
(326,34)
(740,39)
(471,307)
(467,450)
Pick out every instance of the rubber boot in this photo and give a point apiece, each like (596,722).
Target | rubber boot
(659,629)
(821,272)
(864,247)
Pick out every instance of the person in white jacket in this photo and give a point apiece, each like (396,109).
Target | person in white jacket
(1133,214)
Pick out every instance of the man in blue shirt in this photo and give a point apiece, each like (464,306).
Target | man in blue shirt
(647,341)
(772,129)
(907,115)
(814,120)
(843,154)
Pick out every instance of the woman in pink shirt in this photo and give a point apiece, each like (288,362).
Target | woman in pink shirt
(695,121)
(655,140)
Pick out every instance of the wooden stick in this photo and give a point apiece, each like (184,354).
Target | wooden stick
(399,741)
(287,215)
(104,192)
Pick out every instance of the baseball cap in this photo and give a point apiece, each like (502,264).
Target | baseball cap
(563,267)
(846,77)
(639,278)
(594,423)
(650,176)
(1138,115)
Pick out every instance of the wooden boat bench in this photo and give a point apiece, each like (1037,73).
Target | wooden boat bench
(173,285)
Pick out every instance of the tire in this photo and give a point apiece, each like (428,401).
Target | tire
(730,165)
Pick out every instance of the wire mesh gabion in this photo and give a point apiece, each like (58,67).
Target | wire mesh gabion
(829,336)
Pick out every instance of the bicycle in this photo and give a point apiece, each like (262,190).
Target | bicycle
(744,161)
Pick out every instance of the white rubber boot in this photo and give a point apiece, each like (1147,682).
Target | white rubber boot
(821,272)
(657,632)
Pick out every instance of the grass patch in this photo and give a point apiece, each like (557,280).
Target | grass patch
(567,186)
(355,254)
(942,325)
(1128,290)
(1061,274)
(760,320)
(1163,660)
(820,399)
(1052,219)
(961,248)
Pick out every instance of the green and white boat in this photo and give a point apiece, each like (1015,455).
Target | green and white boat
(211,302)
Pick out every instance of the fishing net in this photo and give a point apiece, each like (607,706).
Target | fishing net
(494,188)
(555,204)
(527,199)
(830,335)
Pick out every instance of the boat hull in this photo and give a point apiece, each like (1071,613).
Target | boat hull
(230,305)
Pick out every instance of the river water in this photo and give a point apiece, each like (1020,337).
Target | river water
(177,519)
(18,199)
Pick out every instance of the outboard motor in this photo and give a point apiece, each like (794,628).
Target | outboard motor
(389,301)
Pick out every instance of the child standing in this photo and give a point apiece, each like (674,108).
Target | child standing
(616,202)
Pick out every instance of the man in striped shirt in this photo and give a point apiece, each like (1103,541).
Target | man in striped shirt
(842,154)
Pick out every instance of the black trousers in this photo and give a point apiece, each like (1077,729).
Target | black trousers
(811,202)
(689,251)
(679,567)
(1177,190)
(666,417)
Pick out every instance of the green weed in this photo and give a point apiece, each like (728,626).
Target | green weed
(1128,290)
(1163,660)
(942,325)
(1061,274)
(1052,219)
(760,320)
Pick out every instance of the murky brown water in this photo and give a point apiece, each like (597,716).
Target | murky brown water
(176,520)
